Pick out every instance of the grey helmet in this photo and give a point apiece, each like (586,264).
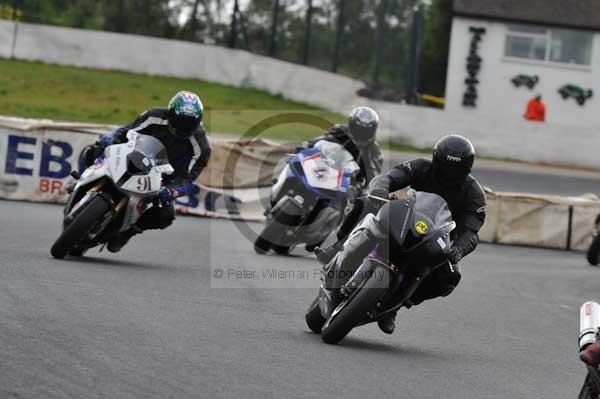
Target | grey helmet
(362,124)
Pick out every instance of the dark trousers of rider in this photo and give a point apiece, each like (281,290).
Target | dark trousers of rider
(158,217)
(441,282)
(355,211)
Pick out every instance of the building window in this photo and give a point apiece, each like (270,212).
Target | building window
(552,45)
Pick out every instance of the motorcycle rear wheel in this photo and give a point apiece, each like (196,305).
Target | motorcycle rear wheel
(79,227)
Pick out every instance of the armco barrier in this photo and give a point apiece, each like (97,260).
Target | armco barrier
(36,157)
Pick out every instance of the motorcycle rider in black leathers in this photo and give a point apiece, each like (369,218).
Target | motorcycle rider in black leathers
(179,128)
(358,138)
(447,175)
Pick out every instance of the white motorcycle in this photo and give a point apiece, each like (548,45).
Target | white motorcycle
(589,329)
(112,194)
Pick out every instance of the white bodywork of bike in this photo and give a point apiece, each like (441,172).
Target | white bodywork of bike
(323,170)
(589,323)
(138,188)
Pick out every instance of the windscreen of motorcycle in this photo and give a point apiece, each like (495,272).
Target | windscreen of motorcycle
(152,148)
(431,214)
(336,157)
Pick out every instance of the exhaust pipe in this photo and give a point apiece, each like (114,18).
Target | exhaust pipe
(589,322)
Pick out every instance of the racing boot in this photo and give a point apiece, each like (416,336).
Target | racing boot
(116,243)
(388,323)
(591,354)
(324,256)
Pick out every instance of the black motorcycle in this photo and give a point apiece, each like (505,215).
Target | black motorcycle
(591,385)
(416,241)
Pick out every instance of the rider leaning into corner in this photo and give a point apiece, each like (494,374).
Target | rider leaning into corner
(358,138)
(448,175)
(179,128)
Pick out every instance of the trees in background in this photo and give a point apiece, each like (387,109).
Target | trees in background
(366,39)
(436,44)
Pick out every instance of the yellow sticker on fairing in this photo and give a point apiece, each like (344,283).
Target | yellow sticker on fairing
(421,227)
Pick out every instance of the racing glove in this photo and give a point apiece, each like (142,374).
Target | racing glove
(168,194)
(91,153)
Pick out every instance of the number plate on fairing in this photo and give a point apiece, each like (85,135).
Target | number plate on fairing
(320,175)
(143,185)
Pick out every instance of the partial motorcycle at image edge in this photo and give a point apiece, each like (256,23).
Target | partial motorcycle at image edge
(589,329)
(593,252)
(414,240)
(111,195)
(308,198)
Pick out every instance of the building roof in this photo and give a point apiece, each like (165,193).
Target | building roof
(583,14)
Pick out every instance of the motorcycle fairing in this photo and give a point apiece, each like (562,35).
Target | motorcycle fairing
(310,167)
(114,166)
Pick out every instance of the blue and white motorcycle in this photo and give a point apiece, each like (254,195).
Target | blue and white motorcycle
(308,198)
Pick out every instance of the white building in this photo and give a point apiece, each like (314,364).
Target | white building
(551,43)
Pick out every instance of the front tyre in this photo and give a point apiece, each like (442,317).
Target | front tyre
(80,226)
(275,228)
(314,319)
(261,246)
(594,250)
(354,311)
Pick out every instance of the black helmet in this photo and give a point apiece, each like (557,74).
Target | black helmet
(453,158)
(363,122)
(185,114)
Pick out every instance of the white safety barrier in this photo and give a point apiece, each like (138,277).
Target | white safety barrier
(418,126)
(540,220)
(155,56)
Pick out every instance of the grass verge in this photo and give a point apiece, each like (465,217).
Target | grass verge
(36,90)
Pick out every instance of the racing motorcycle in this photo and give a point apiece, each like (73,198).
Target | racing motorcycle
(413,240)
(593,252)
(111,194)
(589,324)
(308,198)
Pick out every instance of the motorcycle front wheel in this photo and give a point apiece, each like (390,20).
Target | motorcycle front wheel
(314,319)
(354,311)
(80,226)
(594,250)
(276,227)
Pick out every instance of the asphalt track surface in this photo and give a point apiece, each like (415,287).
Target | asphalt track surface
(149,322)
(522,177)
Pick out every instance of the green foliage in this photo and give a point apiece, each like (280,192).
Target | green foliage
(208,21)
(436,43)
(88,95)
(8,12)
